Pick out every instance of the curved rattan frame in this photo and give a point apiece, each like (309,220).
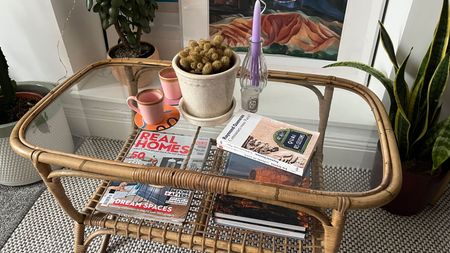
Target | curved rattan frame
(380,195)
(297,198)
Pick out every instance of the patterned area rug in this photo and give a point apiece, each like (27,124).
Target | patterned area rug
(46,228)
(14,205)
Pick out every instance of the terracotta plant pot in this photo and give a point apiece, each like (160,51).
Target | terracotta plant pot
(207,96)
(144,78)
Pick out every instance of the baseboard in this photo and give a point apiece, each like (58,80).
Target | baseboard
(347,145)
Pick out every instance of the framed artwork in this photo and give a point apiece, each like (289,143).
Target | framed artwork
(298,35)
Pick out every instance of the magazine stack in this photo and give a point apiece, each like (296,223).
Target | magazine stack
(154,202)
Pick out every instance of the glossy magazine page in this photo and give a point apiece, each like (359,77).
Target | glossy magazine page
(154,202)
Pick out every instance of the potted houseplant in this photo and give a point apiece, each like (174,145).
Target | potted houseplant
(15,101)
(423,141)
(130,19)
(206,72)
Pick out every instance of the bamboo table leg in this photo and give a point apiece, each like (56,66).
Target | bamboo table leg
(78,230)
(56,188)
(333,233)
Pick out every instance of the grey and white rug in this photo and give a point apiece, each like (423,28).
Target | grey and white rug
(46,228)
(14,205)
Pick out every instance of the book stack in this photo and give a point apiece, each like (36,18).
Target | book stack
(267,151)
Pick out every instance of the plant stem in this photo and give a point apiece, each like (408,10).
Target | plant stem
(138,36)
(121,36)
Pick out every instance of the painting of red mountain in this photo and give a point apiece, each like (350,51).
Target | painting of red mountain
(300,28)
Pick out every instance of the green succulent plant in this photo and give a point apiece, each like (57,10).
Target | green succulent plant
(415,110)
(7,90)
(130,18)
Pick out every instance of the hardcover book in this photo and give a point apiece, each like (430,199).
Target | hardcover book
(160,203)
(254,215)
(268,141)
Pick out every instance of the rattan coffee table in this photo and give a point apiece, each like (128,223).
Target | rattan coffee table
(348,116)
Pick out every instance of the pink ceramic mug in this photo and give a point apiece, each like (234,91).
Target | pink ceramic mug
(169,83)
(149,105)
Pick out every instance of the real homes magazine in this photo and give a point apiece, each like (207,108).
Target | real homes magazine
(155,202)
(271,142)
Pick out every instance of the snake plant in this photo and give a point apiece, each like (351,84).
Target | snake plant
(414,110)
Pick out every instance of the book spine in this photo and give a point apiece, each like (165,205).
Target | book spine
(258,157)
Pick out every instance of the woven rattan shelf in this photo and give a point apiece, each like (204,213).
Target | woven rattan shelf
(200,232)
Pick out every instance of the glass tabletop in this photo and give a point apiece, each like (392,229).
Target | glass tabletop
(94,107)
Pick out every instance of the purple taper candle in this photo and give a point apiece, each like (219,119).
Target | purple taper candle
(255,44)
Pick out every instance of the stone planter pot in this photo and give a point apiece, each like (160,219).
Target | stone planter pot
(207,96)
(144,78)
(16,170)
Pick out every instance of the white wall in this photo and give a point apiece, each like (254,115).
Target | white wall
(81,32)
(396,16)
(410,24)
(29,35)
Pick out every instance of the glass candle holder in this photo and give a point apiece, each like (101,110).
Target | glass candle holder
(253,77)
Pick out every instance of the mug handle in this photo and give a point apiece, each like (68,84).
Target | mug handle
(130,100)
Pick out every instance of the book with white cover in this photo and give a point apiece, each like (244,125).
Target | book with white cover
(268,141)
(252,226)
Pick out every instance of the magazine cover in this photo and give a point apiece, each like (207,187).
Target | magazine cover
(269,141)
(154,202)
(250,214)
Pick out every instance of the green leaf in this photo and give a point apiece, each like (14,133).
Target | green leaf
(435,117)
(432,58)
(113,12)
(438,45)
(146,29)
(434,92)
(96,8)
(401,91)
(126,11)
(425,146)
(438,85)
(388,46)
(387,83)
(143,21)
(105,4)
(89,4)
(401,130)
(105,24)
(132,40)
(415,98)
(441,148)
(116,3)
